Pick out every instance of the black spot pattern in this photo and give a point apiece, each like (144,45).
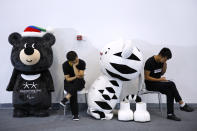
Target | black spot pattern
(101,91)
(130,97)
(124,69)
(116,76)
(133,57)
(127,97)
(106,97)
(110,89)
(138,99)
(114,83)
(103,105)
(101,114)
(114,97)
(118,54)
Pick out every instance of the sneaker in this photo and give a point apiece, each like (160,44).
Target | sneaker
(186,108)
(75,117)
(63,102)
(173,117)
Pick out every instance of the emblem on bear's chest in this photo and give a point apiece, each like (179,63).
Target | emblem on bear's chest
(30,87)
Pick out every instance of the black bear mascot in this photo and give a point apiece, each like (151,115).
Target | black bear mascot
(31,81)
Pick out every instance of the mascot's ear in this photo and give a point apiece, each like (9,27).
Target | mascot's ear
(14,38)
(127,49)
(49,39)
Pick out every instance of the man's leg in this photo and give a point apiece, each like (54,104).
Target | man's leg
(74,106)
(79,84)
(183,105)
(170,102)
(164,88)
(70,89)
(176,94)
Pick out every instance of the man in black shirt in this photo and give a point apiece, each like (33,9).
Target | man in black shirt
(154,68)
(74,81)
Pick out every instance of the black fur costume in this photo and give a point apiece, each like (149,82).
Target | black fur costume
(31,81)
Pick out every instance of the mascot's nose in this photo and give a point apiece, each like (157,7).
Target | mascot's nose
(29,51)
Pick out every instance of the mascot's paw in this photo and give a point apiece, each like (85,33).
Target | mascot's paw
(99,115)
(41,113)
(141,114)
(20,113)
(125,113)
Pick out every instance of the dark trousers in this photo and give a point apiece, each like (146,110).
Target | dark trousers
(167,88)
(72,88)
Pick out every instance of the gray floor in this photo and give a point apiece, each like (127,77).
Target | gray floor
(58,122)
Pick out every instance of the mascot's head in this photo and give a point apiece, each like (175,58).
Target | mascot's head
(32,50)
(121,60)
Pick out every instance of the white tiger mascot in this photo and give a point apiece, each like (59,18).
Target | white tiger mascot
(120,61)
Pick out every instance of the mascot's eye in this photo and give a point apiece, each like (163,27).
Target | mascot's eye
(33,45)
(25,45)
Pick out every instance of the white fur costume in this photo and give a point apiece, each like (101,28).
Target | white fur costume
(120,61)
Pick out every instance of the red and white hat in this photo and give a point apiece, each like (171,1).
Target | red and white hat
(34,31)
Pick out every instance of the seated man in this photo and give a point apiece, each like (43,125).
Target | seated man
(74,81)
(154,68)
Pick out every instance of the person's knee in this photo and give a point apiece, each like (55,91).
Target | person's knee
(172,83)
(79,82)
(169,93)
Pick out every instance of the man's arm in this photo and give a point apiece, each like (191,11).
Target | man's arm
(66,74)
(81,74)
(164,68)
(68,78)
(149,78)
(78,73)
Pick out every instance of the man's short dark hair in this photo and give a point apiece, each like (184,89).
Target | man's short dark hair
(71,55)
(165,52)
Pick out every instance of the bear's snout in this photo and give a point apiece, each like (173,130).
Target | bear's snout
(29,51)
(29,56)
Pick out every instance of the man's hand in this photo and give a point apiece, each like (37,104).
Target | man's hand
(163,79)
(148,77)
(76,63)
(79,76)
(68,78)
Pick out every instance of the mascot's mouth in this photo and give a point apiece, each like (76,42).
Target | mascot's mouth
(29,60)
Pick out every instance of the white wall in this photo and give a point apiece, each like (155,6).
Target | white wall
(66,41)
(170,23)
